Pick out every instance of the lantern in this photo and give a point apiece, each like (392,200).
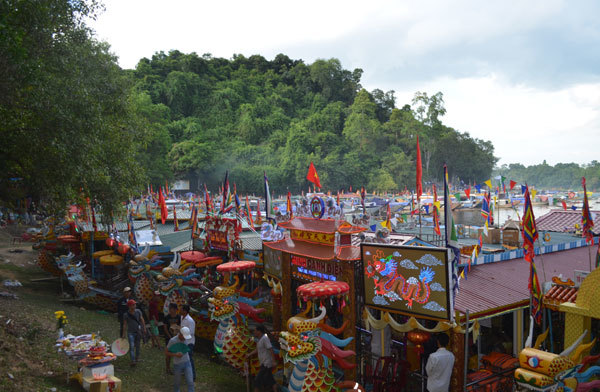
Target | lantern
(417,338)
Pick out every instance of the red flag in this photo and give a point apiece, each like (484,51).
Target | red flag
(419,171)
(163,207)
(289,205)
(564,204)
(512,184)
(312,175)
(167,188)
(338,198)
(467,192)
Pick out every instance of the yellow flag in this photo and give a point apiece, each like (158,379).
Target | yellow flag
(462,274)
(489,183)
(387,224)
(533,193)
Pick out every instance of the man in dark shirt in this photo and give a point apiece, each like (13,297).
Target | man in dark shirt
(122,307)
(171,324)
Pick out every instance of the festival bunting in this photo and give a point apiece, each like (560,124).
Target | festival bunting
(236,199)
(451,239)
(419,188)
(228,203)
(564,204)
(148,215)
(530,233)
(536,294)
(502,179)
(436,211)
(175,221)
(249,212)
(209,208)
(312,176)
(485,209)
(363,195)
(468,193)
(488,183)
(587,223)
(131,231)
(267,197)
(289,204)
(478,187)
(194,223)
(512,184)
(388,222)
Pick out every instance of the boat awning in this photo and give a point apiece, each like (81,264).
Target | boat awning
(314,250)
(499,287)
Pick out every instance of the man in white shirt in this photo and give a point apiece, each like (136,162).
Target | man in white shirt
(181,359)
(439,366)
(188,321)
(264,377)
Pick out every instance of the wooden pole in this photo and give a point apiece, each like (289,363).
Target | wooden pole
(466,369)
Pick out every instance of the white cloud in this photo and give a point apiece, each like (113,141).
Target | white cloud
(525,124)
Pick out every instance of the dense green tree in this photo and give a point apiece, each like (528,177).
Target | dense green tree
(68,121)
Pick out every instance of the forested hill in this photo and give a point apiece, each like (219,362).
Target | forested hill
(249,115)
(563,176)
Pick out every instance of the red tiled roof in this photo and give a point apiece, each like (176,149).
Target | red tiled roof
(559,294)
(491,288)
(329,226)
(314,250)
(562,221)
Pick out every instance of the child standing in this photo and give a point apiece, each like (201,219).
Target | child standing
(153,313)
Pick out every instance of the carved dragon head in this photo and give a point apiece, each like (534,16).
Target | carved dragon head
(223,304)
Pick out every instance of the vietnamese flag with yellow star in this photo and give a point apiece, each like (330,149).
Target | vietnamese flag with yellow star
(312,175)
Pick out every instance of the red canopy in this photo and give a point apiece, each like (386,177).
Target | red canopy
(236,266)
(192,256)
(323,289)
(199,259)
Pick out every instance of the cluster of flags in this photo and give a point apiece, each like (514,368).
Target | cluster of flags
(530,235)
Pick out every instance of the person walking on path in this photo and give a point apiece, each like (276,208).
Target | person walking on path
(264,377)
(171,324)
(188,321)
(135,327)
(439,366)
(181,359)
(153,316)
(122,307)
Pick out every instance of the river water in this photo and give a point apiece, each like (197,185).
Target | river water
(501,215)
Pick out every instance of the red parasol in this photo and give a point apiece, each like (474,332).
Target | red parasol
(320,290)
(236,266)
(192,256)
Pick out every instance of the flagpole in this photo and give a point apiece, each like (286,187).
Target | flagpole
(420,226)
(590,253)
(543,263)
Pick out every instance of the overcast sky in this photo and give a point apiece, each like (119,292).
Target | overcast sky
(523,74)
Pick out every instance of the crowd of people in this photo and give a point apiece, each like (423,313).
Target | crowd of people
(178,329)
